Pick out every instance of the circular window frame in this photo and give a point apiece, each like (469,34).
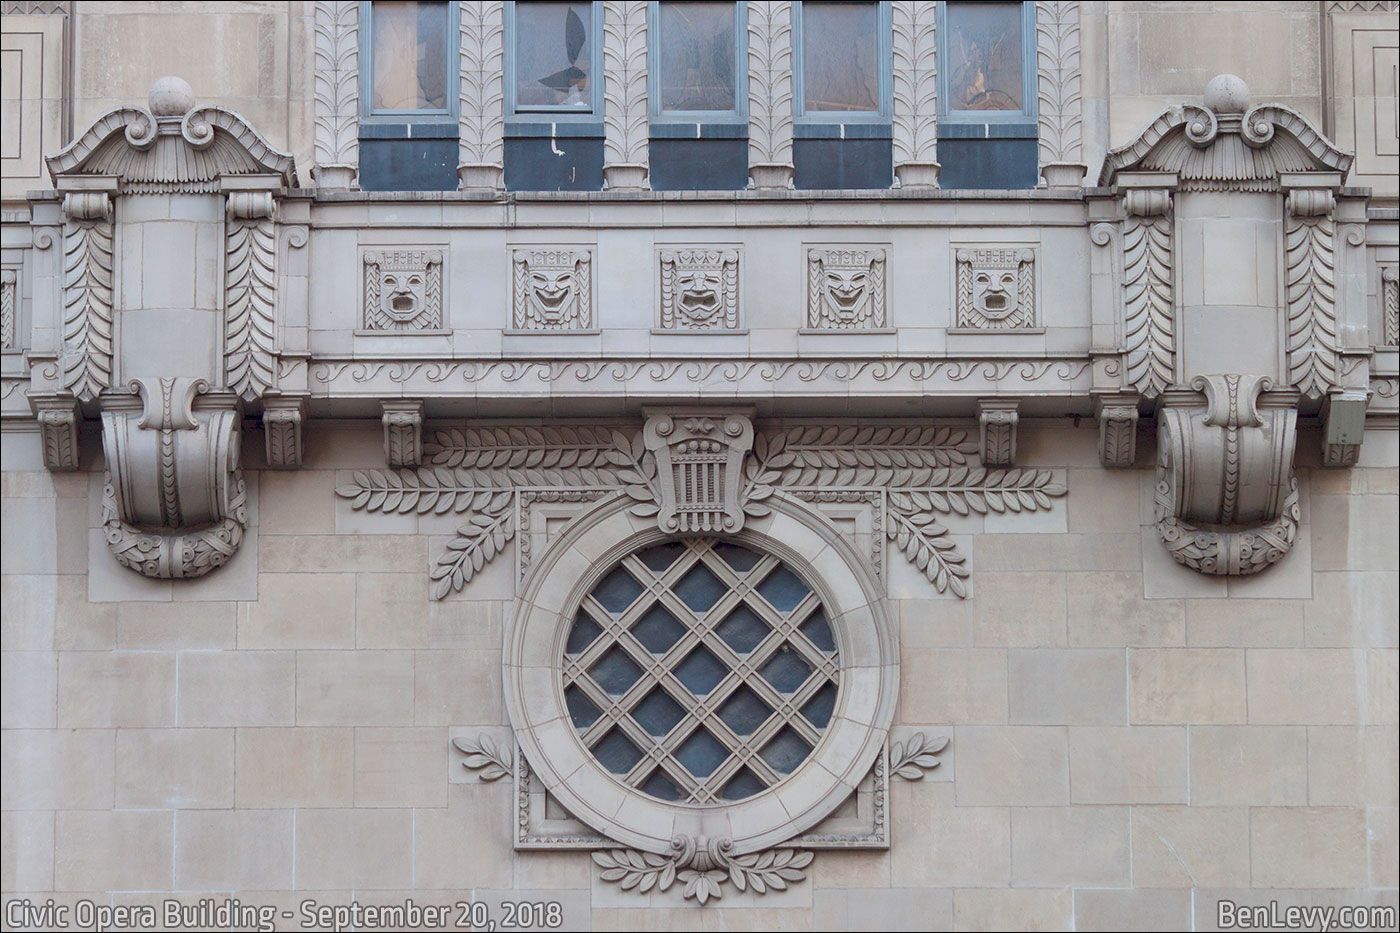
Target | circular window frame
(568,569)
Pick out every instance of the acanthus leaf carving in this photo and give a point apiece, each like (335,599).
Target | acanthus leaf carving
(1118,420)
(625,119)
(250,294)
(482,122)
(915,85)
(87,293)
(1058,81)
(59,423)
(1148,325)
(337,92)
(403,432)
(1309,252)
(284,420)
(770,93)
(997,420)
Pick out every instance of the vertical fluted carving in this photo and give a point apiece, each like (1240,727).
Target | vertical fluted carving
(250,294)
(915,47)
(1059,79)
(1148,331)
(1390,306)
(87,293)
(1309,237)
(337,92)
(482,123)
(625,93)
(770,93)
(9,304)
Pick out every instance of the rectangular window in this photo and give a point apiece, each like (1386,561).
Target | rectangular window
(699,62)
(986,71)
(412,63)
(554,59)
(842,61)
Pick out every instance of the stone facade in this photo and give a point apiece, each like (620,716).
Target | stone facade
(906,559)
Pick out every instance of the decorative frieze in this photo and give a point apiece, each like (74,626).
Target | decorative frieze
(1149,332)
(481,124)
(87,293)
(336,89)
(403,432)
(995,288)
(699,288)
(846,288)
(996,422)
(1309,237)
(770,93)
(915,92)
(625,120)
(250,294)
(552,289)
(402,291)
(1058,82)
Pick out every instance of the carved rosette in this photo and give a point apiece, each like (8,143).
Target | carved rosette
(174,503)
(1226,499)
(699,468)
(87,293)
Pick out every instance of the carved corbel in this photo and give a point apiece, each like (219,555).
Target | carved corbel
(996,421)
(1117,415)
(699,467)
(403,432)
(1344,425)
(1226,500)
(59,423)
(174,503)
(284,419)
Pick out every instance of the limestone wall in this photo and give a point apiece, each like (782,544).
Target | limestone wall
(1130,741)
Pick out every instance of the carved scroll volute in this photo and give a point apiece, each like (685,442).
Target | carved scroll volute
(1149,338)
(174,503)
(1226,497)
(699,467)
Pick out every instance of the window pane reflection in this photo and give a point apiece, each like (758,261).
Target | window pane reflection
(985,59)
(410,56)
(839,57)
(697,56)
(553,56)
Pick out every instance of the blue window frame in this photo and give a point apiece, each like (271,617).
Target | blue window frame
(847,46)
(986,64)
(409,62)
(697,63)
(553,61)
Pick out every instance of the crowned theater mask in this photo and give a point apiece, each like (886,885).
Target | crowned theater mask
(699,289)
(846,289)
(551,290)
(403,290)
(996,288)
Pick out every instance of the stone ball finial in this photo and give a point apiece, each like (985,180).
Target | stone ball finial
(171,97)
(1227,94)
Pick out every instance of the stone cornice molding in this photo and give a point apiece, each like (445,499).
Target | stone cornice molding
(1226,145)
(171,147)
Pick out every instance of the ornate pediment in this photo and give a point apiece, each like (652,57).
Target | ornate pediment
(171,147)
(1226,144)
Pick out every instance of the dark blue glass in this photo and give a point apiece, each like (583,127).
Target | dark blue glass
(617,591)
(741,785)
(615,671)
(740,558)
(783,590)
(744,712)
(583,633)
(742,629)
(659,785)
(699,589)
(616,752)
(819,708)
(786,670)
(581,708)
(658,713)
(701,754)
(658,630)
(818,631)
(658,558)
(786,751)
(701,671)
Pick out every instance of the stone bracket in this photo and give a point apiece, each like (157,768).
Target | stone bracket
(1117,415)
(1344,427)
(403,432)
(59,426)
(284,419)
(997,419)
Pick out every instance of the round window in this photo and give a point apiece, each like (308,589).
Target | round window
(700,671)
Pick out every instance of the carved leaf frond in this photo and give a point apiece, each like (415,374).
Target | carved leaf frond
(483,537)
(915,89)
(87,307)
(1312,305)
(485,756)
(625,81)
(336,87)
(913,759)
(1147,303)
(482,88)
(770,81)
(1059,78)
(250,297)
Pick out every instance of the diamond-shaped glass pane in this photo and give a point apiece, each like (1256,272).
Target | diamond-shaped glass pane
(701,754)
(701,671)
(615,671)
(744,712)
(617,591)
(783,590)
(786,670)
(742,629)
(740,558)
(658,630)
(662,556)
(786,751)
(659,785)
(584,631)
(699,589)
(616,752)
(743,784)
(658,713)
(581,708)
(818,631)
(819,708)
